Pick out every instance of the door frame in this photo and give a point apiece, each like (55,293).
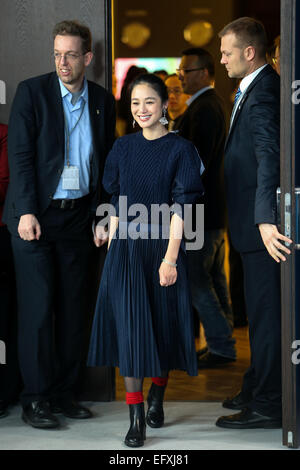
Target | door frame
(290,401)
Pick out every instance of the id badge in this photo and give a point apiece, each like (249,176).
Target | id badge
(70,178)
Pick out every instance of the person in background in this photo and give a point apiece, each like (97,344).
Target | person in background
(61,128)
(203,123)
(161,74)
(113,82)
(10,383)
(276,58)
(236,287)
(252,175)
(124,119)
(236,276)
(177,100)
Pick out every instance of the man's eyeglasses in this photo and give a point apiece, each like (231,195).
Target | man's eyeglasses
(175,91)
(68,56)
(182,71)
(275,60)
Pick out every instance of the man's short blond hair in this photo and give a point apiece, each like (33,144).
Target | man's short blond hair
(249,32)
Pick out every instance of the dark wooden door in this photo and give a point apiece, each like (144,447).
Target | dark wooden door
(26,48)
(290,179)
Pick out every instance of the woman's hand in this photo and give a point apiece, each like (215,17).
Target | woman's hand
(167,275)
(100,235)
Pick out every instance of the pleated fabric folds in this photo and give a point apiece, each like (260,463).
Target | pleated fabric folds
(144,328)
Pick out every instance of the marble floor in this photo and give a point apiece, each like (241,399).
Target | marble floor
(188,426)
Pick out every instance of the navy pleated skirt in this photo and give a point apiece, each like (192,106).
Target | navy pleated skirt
(139,326)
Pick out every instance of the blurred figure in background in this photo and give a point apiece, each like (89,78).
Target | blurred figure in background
(124,118)
(276,58)
(10,382)
(161,74)
(273,55)
(236,287)
(236,277)
(177,100)
(204,124)
(114,82)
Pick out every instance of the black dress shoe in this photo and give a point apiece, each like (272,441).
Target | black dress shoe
(248,419)
(38,415)
(238,402)
(3,409)
(70,409)
(137,431)
(210,360)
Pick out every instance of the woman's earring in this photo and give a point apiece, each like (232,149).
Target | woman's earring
(133,123)
(163,120)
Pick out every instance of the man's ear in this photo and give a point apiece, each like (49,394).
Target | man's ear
(249,53)
(205,73)
(88,58)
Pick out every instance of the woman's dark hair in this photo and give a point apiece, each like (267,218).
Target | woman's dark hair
(154,82)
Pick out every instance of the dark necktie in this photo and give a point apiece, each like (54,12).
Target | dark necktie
(237,95)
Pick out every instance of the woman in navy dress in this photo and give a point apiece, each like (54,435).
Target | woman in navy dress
(143,322)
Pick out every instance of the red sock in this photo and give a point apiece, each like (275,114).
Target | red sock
(160,381)
(134,398)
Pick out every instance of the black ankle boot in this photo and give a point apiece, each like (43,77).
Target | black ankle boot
(137,431)
(155,413)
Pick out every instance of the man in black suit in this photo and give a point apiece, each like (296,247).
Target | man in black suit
(252,174)
(204,124)
(60,130)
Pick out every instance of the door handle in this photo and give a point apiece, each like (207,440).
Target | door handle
(287,226)
(287,216)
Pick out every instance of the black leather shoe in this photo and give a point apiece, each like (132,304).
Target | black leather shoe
(155,412)
(3,409)
(210,360)
(137,431)
(248,419)
(38,415)
(70,409)
(238,402)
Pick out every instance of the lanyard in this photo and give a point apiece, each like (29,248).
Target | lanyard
(69,133)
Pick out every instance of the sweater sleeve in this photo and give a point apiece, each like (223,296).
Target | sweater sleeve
(187,185)
(111,178)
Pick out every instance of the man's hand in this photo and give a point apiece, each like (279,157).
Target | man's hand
(29,228)
(270,236)
(100,235)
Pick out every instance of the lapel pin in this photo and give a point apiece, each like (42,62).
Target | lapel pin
(98,111)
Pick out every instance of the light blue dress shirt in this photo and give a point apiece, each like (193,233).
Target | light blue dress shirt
(81,142)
